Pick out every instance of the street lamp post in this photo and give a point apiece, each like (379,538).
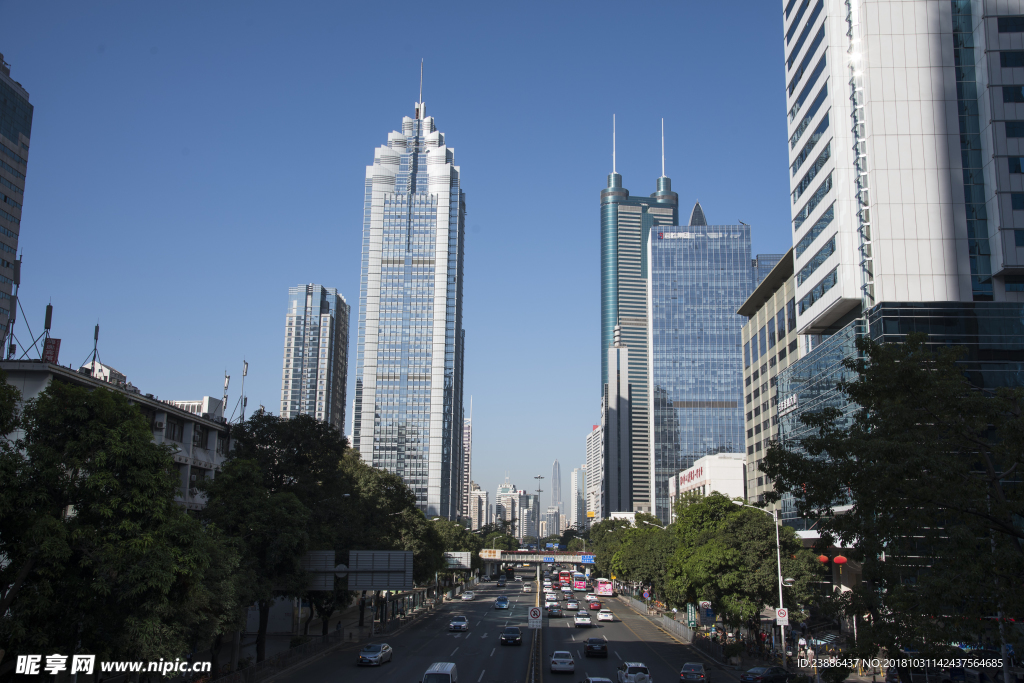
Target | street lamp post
(778,560)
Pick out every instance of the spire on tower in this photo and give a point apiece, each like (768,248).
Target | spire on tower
(421,108)
(613,143)
(662,147)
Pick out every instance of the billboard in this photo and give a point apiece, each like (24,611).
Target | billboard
(490,554)
(376,570)
(459,560)
(319,566)
(51,351)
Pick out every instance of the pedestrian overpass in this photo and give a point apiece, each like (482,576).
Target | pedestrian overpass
(493,557)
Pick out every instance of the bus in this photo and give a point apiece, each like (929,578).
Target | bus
(604,587)
(579,582)
(565,578)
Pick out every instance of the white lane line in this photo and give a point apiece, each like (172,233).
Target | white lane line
(492,652)
(481,676)
(484,635)
(618,655)
(453,652)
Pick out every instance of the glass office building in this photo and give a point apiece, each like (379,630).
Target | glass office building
(408,414)
(700,275)
(315,365)
(626,222)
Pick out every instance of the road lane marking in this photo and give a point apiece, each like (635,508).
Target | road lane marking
(481,676)
(484,635)
(453,652)
(618,655)
(492,652)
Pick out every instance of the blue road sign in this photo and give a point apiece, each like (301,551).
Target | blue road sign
(646,595)
(549,559)
(549,545)
(709,614)
(587,559)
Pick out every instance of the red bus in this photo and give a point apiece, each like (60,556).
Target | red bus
(565,577)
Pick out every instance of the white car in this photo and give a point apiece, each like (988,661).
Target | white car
(469,595)
(551,603)
(562,660)
(572,605)
(582,619)
(551,596)
(633,672)
(518,578)
(591,596)
(605,615)
(458,623)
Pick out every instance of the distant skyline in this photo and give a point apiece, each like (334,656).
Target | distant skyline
(178,151)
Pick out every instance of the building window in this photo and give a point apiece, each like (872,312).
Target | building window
(771,332)
(746,357)
(1017,201)
(791,315)
(1013,94)
(809,146)
(761,336)
(771,361)
(1015,283)
(792,346)
(748,380)
(815,261)
(827,283)
(750,450)
(1018,238)
(780,322)
(812,80)
(812,172)
(812,109)
(750,433)
(175,431)
(782,355)
(1011,24)
(1011,60)
(222,446)
(813,202)
(1015,165)
(803,34)
(200,436)
(1015,129)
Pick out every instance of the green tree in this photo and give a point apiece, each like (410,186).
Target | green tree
(930,467)
(577,545)
(605,538)
(282,491)
(643,556)
(498,539)
(96,549)
(727,554)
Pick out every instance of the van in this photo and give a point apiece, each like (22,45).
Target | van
(441,672)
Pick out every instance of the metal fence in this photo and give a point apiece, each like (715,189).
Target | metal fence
(682,631)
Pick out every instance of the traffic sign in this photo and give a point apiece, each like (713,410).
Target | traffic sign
(782,616)
(691,615)
(534,618)
(705,604)
(587,559)
(549,560)
(646,595)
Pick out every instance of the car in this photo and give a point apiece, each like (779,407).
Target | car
(582,619)
(591,596)
(573,605)
(765,674)
(469,595)
(693,671)
(519,578)
(561,660)
(596,679)
(527,587)
(628,671)
(374,654)
(458,623)
(551,596)
(501,582)
(554,611)
(441,672)
(556,584)
(484,577)
(595,647)
(501,602)
(512,635)
(596,605)
(605,615)
(548,604)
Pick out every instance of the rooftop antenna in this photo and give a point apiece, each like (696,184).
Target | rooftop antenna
(95,347)
(421,79)
(224,405)
(613,143)
(662,147)
(245,371)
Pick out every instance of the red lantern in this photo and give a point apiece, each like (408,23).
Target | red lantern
(840,559)
(823,558)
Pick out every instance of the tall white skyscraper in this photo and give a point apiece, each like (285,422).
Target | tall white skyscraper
(467,460)
(616,489)
(577,508)
(315,365)
(408,415)
(479,506)
(595,474)
(556,486)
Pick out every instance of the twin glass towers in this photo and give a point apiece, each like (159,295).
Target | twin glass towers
(408,412)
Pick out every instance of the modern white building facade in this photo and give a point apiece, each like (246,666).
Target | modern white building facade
(577,508)
(722,472)
(617,426)
(906,126)
(408,414)
(595,474)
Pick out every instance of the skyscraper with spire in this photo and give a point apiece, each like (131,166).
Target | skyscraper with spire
(626,223)
(408,413)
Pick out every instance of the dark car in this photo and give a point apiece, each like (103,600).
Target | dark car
(554,611)
(692,671)
(512,636)
(595,605)
(595,647)
(765,674)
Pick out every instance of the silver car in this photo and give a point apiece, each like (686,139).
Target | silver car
(562,660)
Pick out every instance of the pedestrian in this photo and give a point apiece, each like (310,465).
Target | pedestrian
(810,657)
(801,646)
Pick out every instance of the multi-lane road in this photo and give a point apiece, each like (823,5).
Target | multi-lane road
(480,657)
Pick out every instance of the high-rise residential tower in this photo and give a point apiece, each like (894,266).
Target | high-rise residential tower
(577,509)
(408,415)
(595,474)
(479,506)
(315,365)
(15,133)
(556,486)
(626,222)
(699,276)
(467,461)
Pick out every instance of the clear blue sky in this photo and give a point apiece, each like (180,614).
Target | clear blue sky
(192,160)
